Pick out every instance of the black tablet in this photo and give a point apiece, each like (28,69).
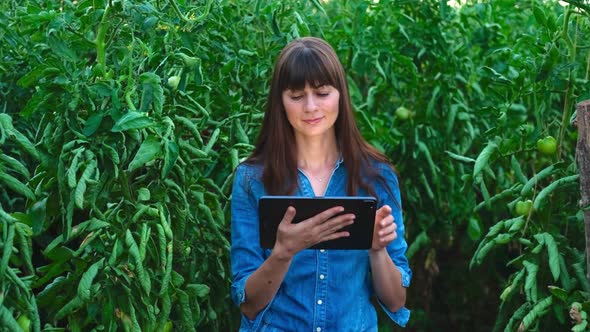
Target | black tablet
(271,210)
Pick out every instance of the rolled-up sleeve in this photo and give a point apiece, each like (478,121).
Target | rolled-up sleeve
(397,248)
(246,255)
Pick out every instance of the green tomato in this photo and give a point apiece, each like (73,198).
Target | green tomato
(24,322)
(173,82)
(524,207)
(168,326)
(403,113)
(547,145)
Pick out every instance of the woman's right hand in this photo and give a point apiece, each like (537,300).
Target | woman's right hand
(324,226)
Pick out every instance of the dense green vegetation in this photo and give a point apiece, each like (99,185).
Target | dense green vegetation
(121,123)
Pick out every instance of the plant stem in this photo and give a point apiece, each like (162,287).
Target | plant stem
(568,103)
(100,37)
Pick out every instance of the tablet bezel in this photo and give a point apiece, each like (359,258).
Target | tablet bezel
(271,210)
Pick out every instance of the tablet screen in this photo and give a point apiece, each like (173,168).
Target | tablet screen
(271,210)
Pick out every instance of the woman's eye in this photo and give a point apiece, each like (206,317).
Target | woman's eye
(323,94)
(296,97)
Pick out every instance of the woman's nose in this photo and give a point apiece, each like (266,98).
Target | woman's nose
(311,103)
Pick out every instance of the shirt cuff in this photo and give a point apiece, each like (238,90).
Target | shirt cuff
(400,317)
(406,277)
(238,293)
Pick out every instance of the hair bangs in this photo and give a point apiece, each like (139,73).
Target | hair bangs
(306,66)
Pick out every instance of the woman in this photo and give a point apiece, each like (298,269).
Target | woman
(309,145)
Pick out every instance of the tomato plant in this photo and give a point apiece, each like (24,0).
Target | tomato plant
(121,123)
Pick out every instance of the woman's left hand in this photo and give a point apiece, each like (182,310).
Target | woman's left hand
(385,228)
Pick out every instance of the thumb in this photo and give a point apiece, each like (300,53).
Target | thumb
(289,215)
(383,212)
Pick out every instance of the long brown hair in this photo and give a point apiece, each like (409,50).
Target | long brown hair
(310,60)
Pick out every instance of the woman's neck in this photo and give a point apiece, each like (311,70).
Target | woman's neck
(317,154)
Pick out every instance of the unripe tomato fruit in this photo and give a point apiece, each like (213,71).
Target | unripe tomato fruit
(173,82)
(524,207)
(168,326)
(24,322)
(402,113)
(547,145)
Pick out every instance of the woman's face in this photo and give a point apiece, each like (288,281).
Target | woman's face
(312,111)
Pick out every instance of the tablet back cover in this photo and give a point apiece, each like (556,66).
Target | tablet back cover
(271,210)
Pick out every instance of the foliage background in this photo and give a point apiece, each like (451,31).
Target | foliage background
(114,183)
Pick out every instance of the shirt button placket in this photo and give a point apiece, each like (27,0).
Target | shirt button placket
(322,290)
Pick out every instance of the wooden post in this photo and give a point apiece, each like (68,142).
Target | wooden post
(583,157)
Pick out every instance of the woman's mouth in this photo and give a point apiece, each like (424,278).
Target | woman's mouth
(313,121)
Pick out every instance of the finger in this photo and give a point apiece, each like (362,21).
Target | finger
(289,215)
(388,229)
(383,212)
(388,220)
(336,223)
(335,228)
(325,215)
(334,236)
(386,240)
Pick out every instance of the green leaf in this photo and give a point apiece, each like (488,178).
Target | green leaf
(170,156)
(74,303)
(474,229)
(8,239)
(24,233)
(81,186)
(530,285)
(132,120)
(496,77)
(15,165)
(517,317)
(517,170)
(559,293)
(539,15)
(482,160)
(87,278)
(92,124)
(553,255)
(8,320)
(537,311)
(61,49)
(517,224)
(149,150)
(37,213)
(16,186)
(152,92)
(459,157)
(540,199)
(419,242)
(144,278)
(535,179)
(198,290)
(481,252)
(212,140)
(186,314)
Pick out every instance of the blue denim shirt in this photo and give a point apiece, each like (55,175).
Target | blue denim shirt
(323,290)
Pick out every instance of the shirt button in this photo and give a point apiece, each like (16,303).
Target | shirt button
(319,329)
(321,250)
(322,276)
(320,302)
